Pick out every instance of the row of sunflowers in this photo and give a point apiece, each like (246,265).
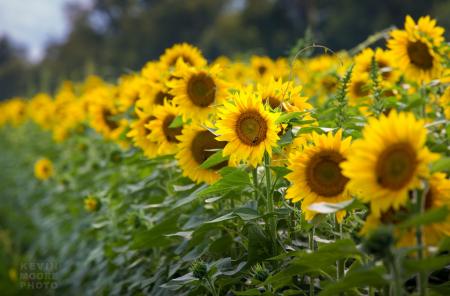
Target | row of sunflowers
(333,151)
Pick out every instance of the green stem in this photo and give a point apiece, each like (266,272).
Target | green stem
(340,269)
(311,248)
(421,277)
(255,182)
(271,227)
(396,285)
(211,285)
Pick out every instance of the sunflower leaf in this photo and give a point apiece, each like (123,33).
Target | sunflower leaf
(442,164)
(176,122)
(429,217)
(213,160)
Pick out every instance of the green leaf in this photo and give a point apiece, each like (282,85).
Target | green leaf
(429,217)
(358,278)
(176,122)
(280,171)
(286,117)
(233,179)
(441,165)
(247,213)
(426,264)
(213,160)
(154,237)
(222,218)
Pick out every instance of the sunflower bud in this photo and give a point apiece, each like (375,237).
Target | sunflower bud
(91,204)
(199,270)
(260,273)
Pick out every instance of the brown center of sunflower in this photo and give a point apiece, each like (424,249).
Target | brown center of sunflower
(419,55)
(392,216)
(273,102)
(395,166)
(204,145)
(146,129)
(262,70)
(161,95)
(111,124)
(323,174)
(360,89)
(201,90)
(171,133)
(329,83)
(251,128)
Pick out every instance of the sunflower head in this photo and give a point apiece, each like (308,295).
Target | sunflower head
(197,144)
(383,59)
(316,173)
(43,169)
(248,128)
(139,134)
(389,160)
(187,53)
(198,91)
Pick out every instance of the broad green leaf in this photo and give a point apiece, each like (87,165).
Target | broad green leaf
(286,117)
(426,264)
(280,171)
(234,179)
(358,278)
(429,217)
(247,213)
(441,165)
(213,160)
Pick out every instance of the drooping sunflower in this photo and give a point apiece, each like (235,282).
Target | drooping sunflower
(43,169)
(384,60)
(388,161)
(198,91)
(197,144)
(160,130)
(316,173)
(139,133)
(189,54)
(413,49)
(248,128)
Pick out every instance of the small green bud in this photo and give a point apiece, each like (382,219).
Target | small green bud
(199,269)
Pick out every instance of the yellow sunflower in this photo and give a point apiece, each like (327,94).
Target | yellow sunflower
(445,102)
(263,67)
(359,88)
(388,161)
(129,91)
(196,145)
(91,204)
(198,91)
(316,174)
(189,54)
(247,127)
(160,130)
(43,169)
(384,60)
(152,95)
(281,95)
(139,133)
(413,51)
(437,196)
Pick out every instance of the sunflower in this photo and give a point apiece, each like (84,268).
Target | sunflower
(160,130)
(263,67)
(388,161)
(196,145)
(189,54)
(445,102)
(277,94)
(316,174)
(91,204)
(247,127)
(384,60)
(128,91)
(152,95)
(43,169)
(437,196)
(413,51)
(139,133)
(359,88)
(198,91)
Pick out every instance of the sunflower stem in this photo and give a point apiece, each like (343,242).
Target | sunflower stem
(311,248)
(396,285)
(421,277)
(255,182)
(272,227)
(340,269)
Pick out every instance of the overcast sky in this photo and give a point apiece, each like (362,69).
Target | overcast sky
(32,23)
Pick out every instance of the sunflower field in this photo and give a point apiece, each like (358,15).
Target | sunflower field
(321,173)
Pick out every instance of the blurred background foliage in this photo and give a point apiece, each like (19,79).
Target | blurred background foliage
(115,36)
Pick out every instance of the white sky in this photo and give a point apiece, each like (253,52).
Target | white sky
(33,23)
